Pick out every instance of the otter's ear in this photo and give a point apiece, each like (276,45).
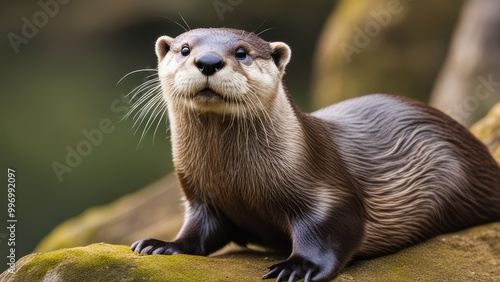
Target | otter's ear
(281,54)
(163,46)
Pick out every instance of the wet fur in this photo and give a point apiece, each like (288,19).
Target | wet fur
(361,178)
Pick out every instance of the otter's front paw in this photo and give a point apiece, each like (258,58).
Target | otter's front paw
(293,269)
(156,247)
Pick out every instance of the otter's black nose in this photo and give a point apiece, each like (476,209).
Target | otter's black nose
(209,64)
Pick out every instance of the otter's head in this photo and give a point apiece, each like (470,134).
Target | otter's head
(223,71)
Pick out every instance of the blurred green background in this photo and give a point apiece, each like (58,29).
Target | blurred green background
(63,81)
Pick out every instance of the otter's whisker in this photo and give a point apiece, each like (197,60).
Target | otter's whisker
(145,86)
(154,114)
(163,112)
(177,23)
(145,111)
(189,28)
(158,108)
(258,27)
(140,104)
(135,71)
(265,30)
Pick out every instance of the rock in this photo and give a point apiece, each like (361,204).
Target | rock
(154,211)
(381,46)
(103,262)
(469,70)
(488,131)
(469,255)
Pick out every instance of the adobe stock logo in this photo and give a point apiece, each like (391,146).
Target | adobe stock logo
(363,37)
(30,28)
(485,89)
(92,139)
(222,7)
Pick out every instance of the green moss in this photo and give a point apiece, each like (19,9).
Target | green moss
(103,262)
(98,262)
(38,269)
(469,255)
(236,267)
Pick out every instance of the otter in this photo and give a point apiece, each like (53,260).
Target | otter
(361,178)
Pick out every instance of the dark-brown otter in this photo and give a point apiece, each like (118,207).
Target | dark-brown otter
(360,178)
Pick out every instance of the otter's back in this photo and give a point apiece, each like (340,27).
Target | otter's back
(421,173)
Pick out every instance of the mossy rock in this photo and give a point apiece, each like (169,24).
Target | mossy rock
(105,262)
(359,52)
(469,255)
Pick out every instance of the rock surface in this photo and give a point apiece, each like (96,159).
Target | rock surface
(488,131)
(469,255)
(154,211)
(108,263)
(378,46)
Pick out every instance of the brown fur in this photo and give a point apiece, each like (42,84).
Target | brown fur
(364,177)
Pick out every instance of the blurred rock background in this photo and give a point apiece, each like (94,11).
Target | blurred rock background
(382,46)
(59,77)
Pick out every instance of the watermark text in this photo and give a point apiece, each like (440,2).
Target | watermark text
(31,26)
(223,6)
(485,89)
(363,37)
(92,139)
(11,221)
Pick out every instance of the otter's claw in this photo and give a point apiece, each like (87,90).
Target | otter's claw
(291,270)
(155,247)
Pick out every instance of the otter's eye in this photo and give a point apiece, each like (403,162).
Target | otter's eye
(241,54)
(185,50)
